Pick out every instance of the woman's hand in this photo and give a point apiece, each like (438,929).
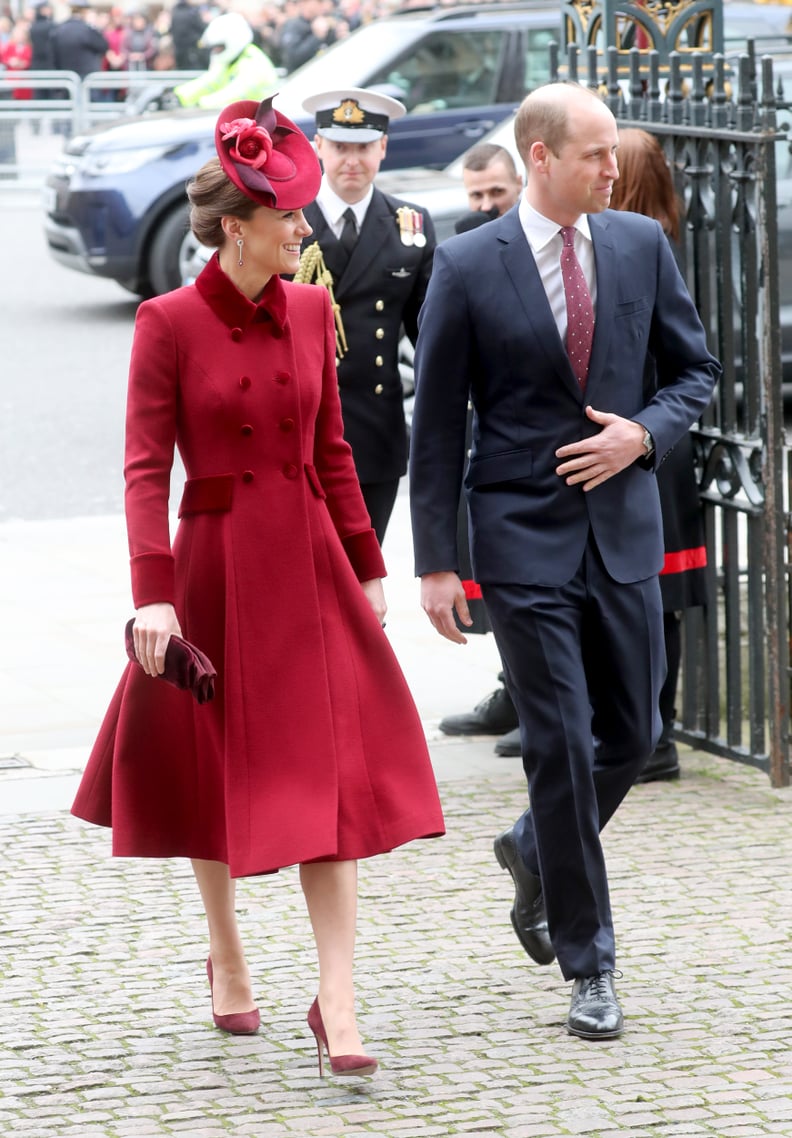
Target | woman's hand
(154,625)
(375,595)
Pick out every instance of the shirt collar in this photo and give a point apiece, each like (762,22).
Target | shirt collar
(540,229)
(334,207)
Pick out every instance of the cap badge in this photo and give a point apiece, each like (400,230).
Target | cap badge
(349,112)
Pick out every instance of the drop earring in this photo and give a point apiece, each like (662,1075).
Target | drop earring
(240,243)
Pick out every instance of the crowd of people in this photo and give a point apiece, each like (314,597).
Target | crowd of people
(91,37)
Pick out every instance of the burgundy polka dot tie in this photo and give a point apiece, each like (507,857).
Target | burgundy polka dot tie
(580,310)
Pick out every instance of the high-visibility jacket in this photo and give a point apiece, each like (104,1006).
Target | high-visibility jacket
(250,76)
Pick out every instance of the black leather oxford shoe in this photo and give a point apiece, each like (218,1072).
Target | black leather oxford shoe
(509,745)
(594,1012)
(493,716)
(662,765)
(528,912)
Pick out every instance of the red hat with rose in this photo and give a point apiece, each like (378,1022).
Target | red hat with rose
(266,156)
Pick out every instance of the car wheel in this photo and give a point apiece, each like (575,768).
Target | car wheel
(172,249)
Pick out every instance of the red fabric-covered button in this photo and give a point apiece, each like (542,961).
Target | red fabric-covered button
(246,429)
(282,377)
(287,425)
(244,382)
(247,476)
(236,334)
(290,470)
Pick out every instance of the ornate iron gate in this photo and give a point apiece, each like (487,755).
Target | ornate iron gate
(722,150)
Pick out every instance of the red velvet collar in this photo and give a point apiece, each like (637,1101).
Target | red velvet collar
(232,306)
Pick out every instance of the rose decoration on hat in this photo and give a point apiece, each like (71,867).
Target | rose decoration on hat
(253,145)
(266,155)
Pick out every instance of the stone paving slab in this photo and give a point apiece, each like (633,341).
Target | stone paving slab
(106,1031)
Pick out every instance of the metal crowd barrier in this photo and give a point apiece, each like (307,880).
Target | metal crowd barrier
(63,104)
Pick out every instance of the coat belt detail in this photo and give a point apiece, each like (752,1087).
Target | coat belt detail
(210,495)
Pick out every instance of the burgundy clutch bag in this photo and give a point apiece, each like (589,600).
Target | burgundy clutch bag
(186,667)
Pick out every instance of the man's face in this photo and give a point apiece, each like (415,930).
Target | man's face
(351,167)
(580,178)
(495,187)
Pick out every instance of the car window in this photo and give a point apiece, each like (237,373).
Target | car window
(349,62)
(502,135)
(446,70)
(537,57)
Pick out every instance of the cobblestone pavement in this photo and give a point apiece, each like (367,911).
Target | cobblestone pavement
(105,1026)
(106,1031)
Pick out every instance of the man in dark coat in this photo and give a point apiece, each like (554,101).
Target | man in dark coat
(303,35)
(76,45)
(43,58)
(379,252)
(187,25)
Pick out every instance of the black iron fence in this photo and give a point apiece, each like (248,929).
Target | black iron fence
(719,126)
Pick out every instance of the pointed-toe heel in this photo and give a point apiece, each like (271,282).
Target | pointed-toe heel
(339,1064)
(235,1023)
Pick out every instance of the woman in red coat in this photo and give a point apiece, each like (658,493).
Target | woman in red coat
(311,752)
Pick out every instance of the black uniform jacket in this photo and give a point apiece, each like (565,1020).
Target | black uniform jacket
(381,287)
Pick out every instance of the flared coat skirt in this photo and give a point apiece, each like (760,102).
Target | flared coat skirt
(312,748)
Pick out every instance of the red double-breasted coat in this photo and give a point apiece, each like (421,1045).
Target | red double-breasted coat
(312,747)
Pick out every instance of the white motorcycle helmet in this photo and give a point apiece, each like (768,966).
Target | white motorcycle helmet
(226,37)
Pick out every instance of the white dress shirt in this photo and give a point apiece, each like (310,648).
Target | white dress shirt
(544,237)
(334,208)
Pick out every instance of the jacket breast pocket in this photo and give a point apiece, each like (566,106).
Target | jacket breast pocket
(507,466)
(631,307)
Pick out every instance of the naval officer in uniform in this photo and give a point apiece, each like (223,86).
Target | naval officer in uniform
(378,251)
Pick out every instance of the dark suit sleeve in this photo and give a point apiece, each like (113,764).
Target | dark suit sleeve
(418,294)
(444,366)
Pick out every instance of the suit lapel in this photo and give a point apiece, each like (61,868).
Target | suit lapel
(521,267)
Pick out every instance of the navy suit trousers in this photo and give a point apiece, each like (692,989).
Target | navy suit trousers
(585,663)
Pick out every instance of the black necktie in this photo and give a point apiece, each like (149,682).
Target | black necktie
(349,233)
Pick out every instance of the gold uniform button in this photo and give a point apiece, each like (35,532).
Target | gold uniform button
(378,361)
(380,333)
(378,390)
(379,306)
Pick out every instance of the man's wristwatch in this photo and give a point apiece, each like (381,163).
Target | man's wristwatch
(648,442)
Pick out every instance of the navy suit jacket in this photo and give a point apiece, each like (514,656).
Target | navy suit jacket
(487,332)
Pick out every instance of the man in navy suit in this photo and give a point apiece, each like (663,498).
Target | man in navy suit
(566,532)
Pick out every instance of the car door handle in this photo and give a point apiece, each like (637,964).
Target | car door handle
(474,128)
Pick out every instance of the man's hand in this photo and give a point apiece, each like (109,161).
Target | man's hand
(441,593)
(595,460)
